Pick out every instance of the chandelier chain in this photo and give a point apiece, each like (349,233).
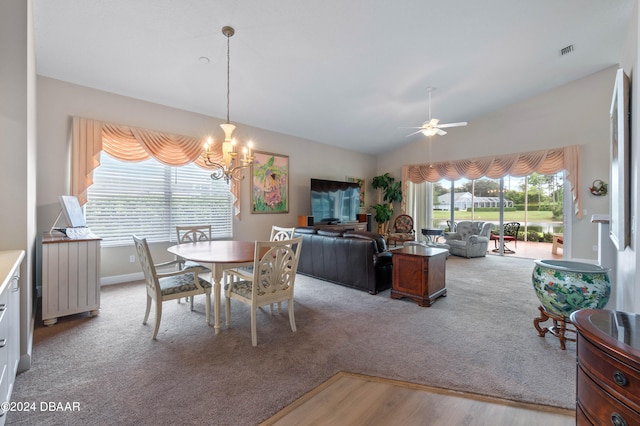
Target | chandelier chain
(233,162)
(228,75)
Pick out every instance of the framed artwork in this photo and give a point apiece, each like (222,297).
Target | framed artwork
(270,183)
(361,183)
(619,201)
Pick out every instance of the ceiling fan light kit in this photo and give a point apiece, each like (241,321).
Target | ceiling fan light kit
(432,127)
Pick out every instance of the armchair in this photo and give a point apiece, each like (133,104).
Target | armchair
(471,239)
(510,234)
(402,230)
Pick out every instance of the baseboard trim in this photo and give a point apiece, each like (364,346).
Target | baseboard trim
(119,279)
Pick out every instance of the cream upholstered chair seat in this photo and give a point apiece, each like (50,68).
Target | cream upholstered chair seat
(169,285)
(274,272)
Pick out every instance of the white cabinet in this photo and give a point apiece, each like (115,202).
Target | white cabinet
(10,261)
(70,276)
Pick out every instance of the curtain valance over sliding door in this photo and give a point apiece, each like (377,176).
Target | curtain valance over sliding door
(519,165)
(91,137)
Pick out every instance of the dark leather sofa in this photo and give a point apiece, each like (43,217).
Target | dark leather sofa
(355,259)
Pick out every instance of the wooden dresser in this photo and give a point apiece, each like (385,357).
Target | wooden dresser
(608,372)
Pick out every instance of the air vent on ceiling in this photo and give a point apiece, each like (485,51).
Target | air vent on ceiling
(566,50)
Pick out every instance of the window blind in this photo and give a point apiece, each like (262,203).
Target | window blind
(150,199)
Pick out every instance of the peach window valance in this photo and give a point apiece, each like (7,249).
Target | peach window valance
(544,162)
(90,137)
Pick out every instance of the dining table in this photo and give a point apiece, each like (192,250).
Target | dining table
(218,256)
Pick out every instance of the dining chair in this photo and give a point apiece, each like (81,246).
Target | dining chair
(510,232)
(169,285)
(192,234)
(275,265)
(279,233)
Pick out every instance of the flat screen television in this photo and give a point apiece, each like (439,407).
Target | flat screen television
(334,201)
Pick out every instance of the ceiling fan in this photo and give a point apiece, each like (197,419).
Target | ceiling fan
(433,127)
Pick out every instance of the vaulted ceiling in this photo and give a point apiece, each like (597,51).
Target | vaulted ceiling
(349,73)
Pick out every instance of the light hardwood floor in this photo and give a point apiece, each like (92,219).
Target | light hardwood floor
(354,399)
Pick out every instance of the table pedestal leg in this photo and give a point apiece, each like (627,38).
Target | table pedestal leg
(216,274)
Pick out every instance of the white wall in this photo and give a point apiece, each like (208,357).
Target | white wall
(628,296)
(574,114)
(17,155)
(58,101)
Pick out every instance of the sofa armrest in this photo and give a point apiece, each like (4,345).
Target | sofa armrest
(384,258)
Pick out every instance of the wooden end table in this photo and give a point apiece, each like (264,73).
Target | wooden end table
(419,274)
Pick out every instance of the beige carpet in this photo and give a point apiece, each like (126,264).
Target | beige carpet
(480,339)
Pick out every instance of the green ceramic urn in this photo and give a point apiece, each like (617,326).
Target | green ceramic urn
(564,286)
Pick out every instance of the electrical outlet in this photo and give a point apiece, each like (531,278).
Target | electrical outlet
(132,258)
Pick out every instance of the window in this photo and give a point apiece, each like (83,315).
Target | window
(150,199)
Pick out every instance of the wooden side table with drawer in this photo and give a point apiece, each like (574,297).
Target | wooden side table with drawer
(419,274)
(608,372)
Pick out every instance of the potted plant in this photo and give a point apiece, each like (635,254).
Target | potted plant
(390,192)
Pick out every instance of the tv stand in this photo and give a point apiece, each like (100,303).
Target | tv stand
(363,224)
(356,226)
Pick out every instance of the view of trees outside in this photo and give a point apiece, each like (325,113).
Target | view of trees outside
(536,201)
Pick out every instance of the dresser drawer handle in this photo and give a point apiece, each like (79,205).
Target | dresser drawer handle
(3,343)
(617,420)
(620,378)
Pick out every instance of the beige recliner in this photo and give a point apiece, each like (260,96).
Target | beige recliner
(471,239)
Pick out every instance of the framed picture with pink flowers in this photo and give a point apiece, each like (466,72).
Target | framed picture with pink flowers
(270,183)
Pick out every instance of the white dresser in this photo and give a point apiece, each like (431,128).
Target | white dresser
(10,261)
(70,276)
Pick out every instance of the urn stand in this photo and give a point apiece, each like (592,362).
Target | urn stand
(558,329)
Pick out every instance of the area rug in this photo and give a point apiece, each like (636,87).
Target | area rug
(479,339)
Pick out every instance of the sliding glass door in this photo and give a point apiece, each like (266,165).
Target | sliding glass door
(534,203)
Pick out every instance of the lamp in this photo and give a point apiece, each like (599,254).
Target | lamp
(431,131)
(232,166)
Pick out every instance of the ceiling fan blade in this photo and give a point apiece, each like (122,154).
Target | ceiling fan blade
(433,122)
(441,132)
(416,132)
(444,126)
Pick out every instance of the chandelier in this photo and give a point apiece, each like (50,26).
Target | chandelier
(232,165)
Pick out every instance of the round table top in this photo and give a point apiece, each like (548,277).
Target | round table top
(217,251)
(432,231)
